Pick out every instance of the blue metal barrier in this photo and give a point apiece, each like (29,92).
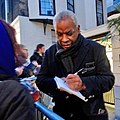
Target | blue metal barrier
(48,113)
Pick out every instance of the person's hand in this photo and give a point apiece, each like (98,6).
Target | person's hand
(19,70)
(74,82)
(37,69)
(35,63)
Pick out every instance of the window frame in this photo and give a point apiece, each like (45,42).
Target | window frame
(99,20)
(3,11)
(40,10)
(53,35)
(69,4)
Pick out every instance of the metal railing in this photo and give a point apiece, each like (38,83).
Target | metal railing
(47,112)
(109,97)
(28,83)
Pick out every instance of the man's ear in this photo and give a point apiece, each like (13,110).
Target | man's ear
(79,28)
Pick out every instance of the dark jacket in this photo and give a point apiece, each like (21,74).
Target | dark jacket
(98,79)
(36,57)
(15,102)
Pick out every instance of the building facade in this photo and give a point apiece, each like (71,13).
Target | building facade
(10,9)
(32,20)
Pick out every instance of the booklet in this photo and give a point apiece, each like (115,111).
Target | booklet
(63,86)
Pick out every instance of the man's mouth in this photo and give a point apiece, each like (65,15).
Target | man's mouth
(66,45)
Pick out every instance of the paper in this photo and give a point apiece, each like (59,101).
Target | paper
(63,86)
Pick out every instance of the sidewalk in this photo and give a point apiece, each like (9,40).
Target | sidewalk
(111,112)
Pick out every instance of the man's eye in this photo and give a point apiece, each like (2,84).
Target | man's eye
(69,33)
(59,34)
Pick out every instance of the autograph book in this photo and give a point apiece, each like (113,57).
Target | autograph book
(63,86)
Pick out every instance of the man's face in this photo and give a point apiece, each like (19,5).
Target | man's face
(67,32)
(41,50)
(25,53)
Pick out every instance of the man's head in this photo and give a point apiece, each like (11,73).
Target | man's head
(66,28)
(40,48)
(23,55)
(24,50)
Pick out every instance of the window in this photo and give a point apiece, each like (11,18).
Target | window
(99,12)
(3,11)
(54,39)
(70,5)
(47,7)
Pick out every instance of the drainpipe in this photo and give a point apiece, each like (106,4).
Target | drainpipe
(6,10)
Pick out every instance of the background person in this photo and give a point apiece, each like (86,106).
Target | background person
(15,102)
(71,53)
(26,72)
(24,56)
(25,68)
(38,54)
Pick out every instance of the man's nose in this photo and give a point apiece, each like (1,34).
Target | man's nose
(64,38)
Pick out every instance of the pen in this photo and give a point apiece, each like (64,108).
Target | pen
(79,71)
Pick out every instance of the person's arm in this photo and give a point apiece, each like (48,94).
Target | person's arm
(32,58)
(103,81)
(44,80)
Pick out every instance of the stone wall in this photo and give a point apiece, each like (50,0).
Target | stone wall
(116,70)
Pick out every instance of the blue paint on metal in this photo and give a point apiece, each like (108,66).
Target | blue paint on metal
(48,113)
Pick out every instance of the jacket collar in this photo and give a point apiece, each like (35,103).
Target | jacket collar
(84,48)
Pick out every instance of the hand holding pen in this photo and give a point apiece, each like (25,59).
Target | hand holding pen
(74,82)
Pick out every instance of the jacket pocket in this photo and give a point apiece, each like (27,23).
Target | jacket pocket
(101,116)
